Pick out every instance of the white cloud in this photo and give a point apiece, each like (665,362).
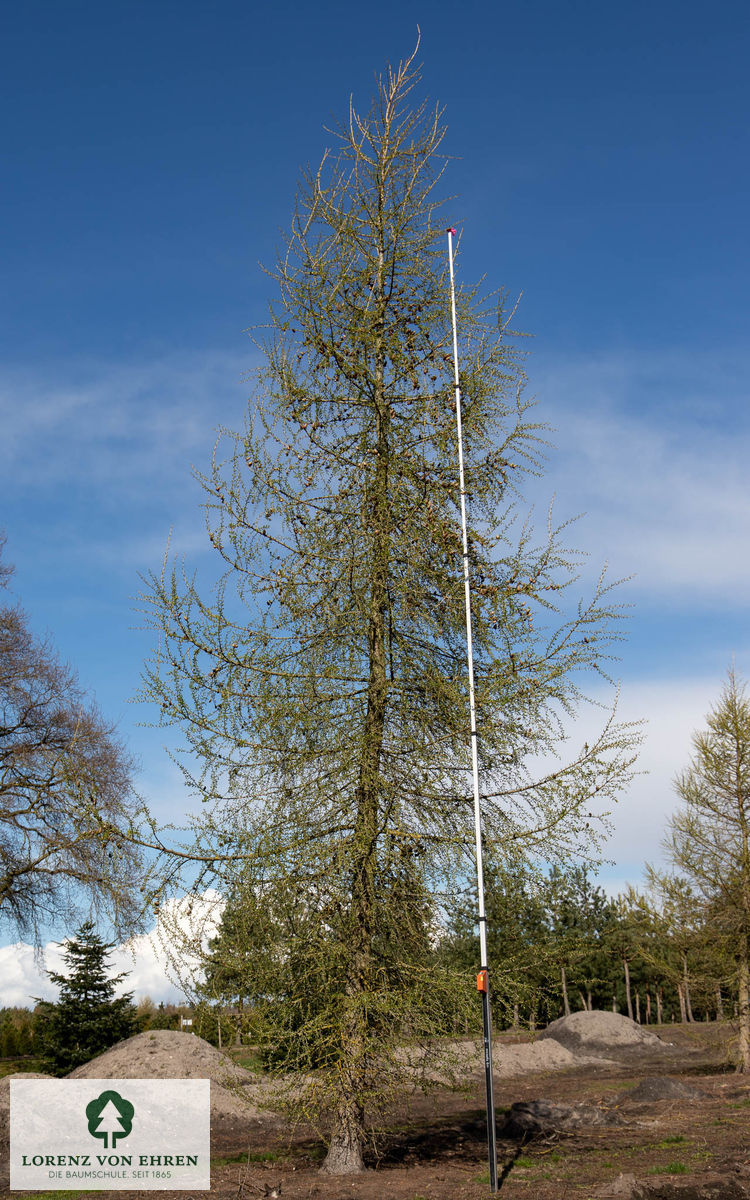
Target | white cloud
(23,977)
(118,424)
(643,448)
(667,714)
(154,962)
(661,475)
(673,711)
(160,961)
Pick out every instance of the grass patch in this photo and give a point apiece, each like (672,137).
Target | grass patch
(672,1140)
(740,1104)
(249,1059)
(524,1161)
(16,1066)
(248,1156)
(673,1168)
(70,1195)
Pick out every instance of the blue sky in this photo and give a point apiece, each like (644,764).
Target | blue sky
(599,166)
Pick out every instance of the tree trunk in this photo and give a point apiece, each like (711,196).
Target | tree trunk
(564,982)
(627,988)
(686,984)
(344,1155)
(659,1007)
(743,1064)
(516,1021)
(648,1007)
(637,1006)
(719,1005)
(240,1003)
(614,1004)
(347,1141)
(683,1011)
(589,1004)
(583,1000)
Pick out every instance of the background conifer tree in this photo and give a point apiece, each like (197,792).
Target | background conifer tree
(709,845)
(322,687)
(87,1018)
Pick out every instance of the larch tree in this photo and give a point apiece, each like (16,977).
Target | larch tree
(322,687)
(709,839)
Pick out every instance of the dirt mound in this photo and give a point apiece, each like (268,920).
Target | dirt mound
(717,1187)
(169,1054)
(528,1118)
(720,1187)
(661,1087)
(512,1060)
(599,1031)
(5,1121)
(163,1054)
(509,1060)
(625,1187)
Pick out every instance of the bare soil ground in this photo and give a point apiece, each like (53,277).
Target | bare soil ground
(434,1148)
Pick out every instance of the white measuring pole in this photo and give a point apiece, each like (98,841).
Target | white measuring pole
(483,983)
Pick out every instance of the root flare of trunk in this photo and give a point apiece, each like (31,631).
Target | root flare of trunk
(344,1157)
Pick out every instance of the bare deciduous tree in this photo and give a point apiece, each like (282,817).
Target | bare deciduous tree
(66,798)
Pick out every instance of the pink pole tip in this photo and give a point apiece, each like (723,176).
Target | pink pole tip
(450,230)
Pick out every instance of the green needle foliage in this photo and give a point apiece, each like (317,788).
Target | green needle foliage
(709,845)
(87,1019)
(322,688)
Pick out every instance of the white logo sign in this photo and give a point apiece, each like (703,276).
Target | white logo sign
(110,1134)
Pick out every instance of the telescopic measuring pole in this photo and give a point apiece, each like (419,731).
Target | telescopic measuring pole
(483,978)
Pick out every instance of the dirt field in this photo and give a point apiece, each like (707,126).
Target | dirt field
(620,1140)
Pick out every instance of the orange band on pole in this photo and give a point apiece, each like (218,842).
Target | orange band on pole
(482,982)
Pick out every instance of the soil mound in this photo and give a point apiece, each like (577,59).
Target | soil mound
(508,1060)
(163,1054)
(719,1187)
(528,1118)
(169,1054)
(625,1187)
(599,1031)
(661,1087)
(529,1056)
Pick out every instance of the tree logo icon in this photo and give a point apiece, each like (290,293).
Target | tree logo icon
(110,1117)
